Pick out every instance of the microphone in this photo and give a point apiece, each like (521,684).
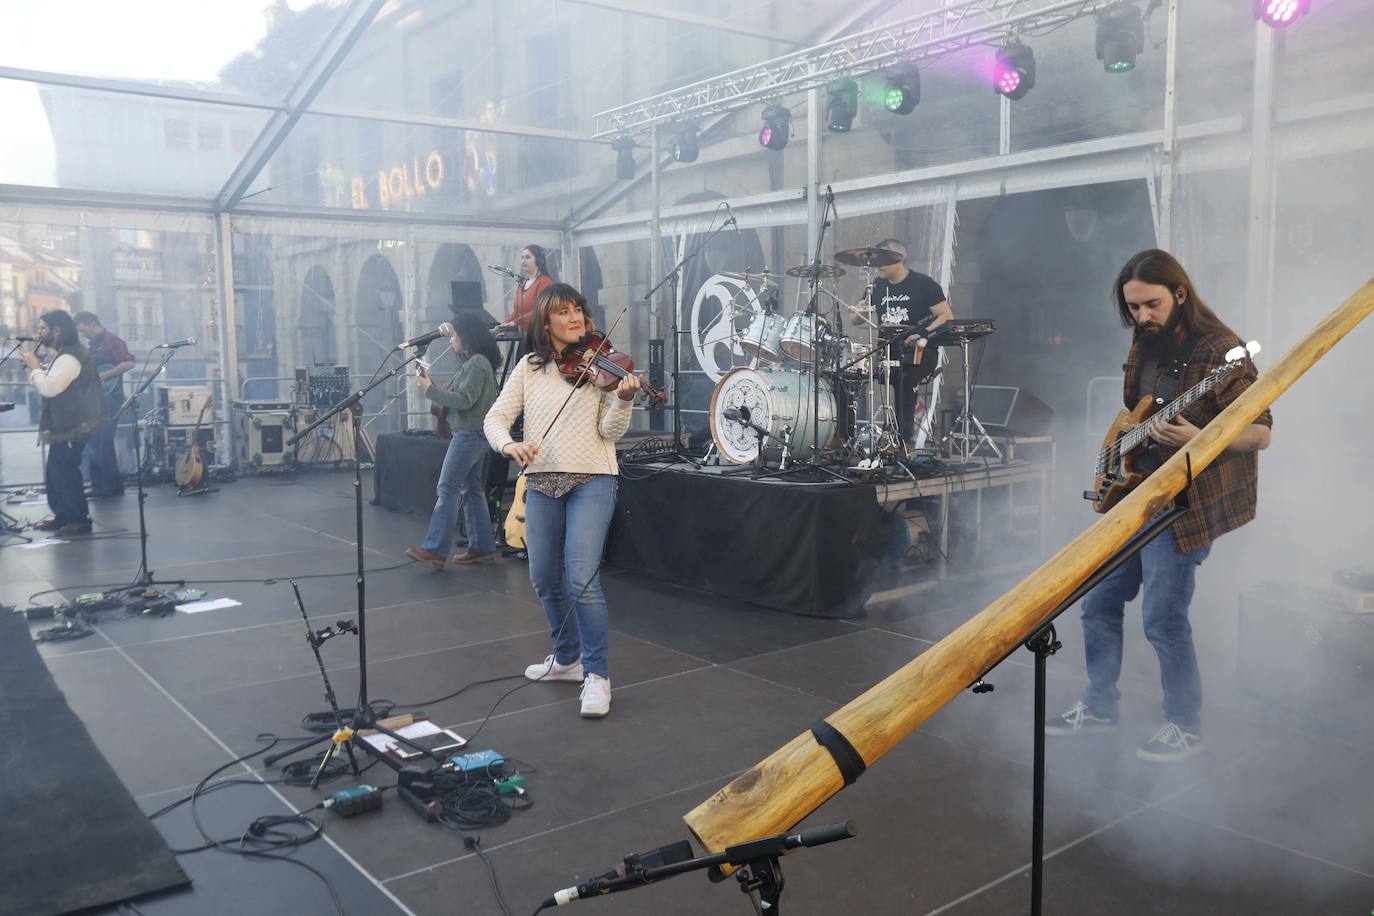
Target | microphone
(444,330)
(589,888)
(732,413)
(26,339)
(188,342)
(504,271)
(733,222)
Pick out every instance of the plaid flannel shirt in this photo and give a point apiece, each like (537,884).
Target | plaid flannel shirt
(1224,495)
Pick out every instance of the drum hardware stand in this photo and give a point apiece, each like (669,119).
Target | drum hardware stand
(1043,643)
(813,309)
(968,447)
(673,276)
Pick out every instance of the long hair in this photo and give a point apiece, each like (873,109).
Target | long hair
(538,343)
(477,340)
(541,258)
(63,329)
(1159,268)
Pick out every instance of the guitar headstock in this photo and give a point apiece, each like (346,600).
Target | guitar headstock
(1236,354)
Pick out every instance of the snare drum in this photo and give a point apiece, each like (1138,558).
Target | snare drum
(800,335)
(775,399)
(762,338)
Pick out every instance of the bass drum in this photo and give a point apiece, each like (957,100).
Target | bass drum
(774,399)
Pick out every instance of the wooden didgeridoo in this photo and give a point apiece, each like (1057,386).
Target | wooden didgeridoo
(778,792)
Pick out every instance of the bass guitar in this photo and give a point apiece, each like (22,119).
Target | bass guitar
(190,469)
(1128,453)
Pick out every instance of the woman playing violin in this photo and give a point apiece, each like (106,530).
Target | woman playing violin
(571,479)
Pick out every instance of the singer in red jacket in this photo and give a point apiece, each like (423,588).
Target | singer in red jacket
(534,278)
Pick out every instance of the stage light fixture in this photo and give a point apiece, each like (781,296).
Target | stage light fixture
(1120,37)
(777,127)
(841,104)
(1013,73)
(903,92)
(624,157)
(1280,14)
(685,146)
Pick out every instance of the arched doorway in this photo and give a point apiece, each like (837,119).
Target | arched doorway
(452,262)
(316,341)
(377,326)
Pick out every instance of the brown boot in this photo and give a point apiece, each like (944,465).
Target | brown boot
(468,559)
(421,555)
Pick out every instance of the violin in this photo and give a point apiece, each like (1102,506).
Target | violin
(592,359)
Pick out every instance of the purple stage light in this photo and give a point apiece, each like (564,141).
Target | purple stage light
(1013,71)
(1280,13)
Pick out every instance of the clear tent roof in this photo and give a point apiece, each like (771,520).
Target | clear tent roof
(439,107)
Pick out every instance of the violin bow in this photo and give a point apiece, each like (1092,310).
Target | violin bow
(587,367)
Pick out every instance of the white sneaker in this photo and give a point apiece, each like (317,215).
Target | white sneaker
(596,696)
(550,670)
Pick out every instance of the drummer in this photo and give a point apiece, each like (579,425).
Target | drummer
(902,296)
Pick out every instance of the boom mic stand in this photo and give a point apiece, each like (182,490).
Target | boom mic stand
(1042,643)
(362,711)
(813,309)
(673,276)
(144,577)
(759,871)
(9,525)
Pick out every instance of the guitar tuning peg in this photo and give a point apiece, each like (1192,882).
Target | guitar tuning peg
(1252,347)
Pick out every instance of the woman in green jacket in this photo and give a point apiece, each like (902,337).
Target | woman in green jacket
(466,398)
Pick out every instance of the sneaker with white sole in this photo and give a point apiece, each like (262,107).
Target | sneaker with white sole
(550,670)
(1171,744)
(596,696)
(1079,719)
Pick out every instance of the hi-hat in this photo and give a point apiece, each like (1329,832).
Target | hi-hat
(821,270)
(868,257)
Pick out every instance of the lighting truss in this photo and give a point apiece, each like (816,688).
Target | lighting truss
(920,39)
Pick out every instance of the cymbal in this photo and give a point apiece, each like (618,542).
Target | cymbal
(823,270)
(868,257)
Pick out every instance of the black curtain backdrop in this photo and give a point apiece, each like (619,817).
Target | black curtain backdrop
(803,548)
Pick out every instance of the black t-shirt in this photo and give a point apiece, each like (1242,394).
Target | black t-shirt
(907,303)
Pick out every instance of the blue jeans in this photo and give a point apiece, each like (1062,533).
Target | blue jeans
(566,571)
(1168,578)
(62,477)
(104,466)
(462,481)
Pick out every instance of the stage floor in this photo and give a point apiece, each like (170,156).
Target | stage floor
(1270,819)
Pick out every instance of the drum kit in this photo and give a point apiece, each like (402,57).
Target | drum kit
(779,408)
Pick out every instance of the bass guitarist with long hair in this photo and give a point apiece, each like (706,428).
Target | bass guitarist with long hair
(1176,341)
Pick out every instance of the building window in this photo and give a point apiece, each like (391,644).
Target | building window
(240,138)
(210,137)
(177,132)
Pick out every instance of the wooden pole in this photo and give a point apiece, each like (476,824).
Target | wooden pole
(777,793)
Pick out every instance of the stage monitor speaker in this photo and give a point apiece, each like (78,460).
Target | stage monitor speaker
(1301,649)
(1015,411)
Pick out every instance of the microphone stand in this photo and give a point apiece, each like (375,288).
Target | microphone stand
(813,309)
(673,276)
(144,577)
(9,525)
(362,711)
(759,871)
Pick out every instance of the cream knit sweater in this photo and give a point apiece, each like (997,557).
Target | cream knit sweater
(581,442)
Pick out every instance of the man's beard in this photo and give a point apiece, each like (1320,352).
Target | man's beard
(1159,342)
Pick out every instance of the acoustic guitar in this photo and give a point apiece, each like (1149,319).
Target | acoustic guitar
(515,518)
(190,470)
(1128,453)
